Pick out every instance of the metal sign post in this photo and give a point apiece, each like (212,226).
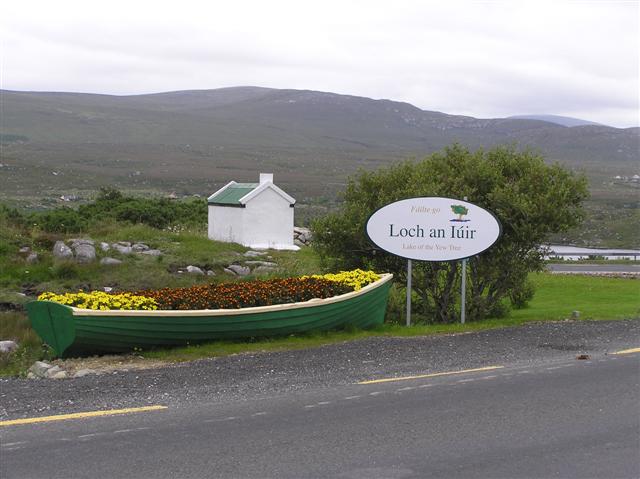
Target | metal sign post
(463,291)
(409,274)
(463,287)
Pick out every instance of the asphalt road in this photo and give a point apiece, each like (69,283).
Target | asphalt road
(566,418)
(299,414)
(630,268)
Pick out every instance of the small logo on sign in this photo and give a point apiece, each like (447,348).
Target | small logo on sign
(460,211)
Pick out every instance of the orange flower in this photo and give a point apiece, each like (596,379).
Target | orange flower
(246,294)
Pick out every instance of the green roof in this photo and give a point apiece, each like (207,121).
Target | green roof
(232,194)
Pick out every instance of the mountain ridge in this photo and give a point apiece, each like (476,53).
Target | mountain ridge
(567,121)
(198,139)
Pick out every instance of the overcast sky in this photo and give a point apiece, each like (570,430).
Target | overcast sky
(478,58)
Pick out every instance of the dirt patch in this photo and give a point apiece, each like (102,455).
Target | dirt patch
(110,363)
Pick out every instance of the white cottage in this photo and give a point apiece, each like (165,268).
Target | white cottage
(257,215)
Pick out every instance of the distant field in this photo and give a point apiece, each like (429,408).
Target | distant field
(193,142)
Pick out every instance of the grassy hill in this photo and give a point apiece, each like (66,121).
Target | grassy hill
(192,142)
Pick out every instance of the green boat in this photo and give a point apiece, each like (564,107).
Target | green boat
(74,331)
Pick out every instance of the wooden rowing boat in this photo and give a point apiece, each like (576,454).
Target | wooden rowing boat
(71,331)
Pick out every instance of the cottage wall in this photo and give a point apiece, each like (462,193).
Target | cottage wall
(226,224)
(268,221)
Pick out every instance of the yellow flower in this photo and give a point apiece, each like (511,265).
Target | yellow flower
(99,300)
(355,279)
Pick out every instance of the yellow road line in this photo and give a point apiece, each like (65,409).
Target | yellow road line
(628,351)
(80,415)
(433,375)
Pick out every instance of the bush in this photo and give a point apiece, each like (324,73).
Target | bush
(520,297)
(531,199)
(65,270)
(111,204)
(62,220)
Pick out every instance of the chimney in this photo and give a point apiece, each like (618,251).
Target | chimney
(266,178)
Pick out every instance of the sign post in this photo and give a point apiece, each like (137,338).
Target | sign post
(463,288)
(433,229)
(409,274)
(463,291)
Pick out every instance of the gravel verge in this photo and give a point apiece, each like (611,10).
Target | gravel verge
(251,376)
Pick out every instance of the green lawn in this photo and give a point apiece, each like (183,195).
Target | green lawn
(595,297)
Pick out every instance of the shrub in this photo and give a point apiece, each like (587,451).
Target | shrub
(62,220)
(531,199)
(111,204)
(66,270)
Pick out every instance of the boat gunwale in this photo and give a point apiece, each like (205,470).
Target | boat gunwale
(79,312)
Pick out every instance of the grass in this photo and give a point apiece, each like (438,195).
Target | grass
(15,325)
(597,298)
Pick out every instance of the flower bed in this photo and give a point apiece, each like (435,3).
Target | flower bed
(246,294)
(101,301)
(355,279)
(224,295)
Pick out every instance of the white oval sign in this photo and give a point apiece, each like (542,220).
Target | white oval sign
(433,229)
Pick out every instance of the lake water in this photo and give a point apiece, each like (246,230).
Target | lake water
(574,252)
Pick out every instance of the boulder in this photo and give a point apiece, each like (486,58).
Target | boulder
(104,246)
(139,247)
(52,371)
(122,248)
(77,242)
(152,252)
(110,261)
(83,372)
(62,251)
(39,368)
(32,258)
(253,254)
(194,270)
(211,273)
(25,250)
(59,375)
(85,253)
(301,236)
(239,269)
(8,346)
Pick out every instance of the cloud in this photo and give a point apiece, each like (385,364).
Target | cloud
(469,57)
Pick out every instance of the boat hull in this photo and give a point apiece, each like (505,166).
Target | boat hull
(70,331)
